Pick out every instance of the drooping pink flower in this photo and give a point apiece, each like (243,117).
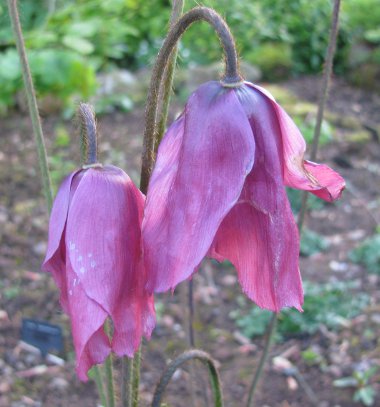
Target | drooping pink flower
(218,190)
(94,255)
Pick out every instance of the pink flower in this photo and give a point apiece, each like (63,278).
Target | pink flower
(94,255)
(218,190)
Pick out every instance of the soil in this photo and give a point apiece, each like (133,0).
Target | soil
(27,292)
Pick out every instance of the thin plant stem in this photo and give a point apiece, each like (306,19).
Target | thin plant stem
(190,299)
(231,77)
(167,81)
(322,99)
(109,370)
(109,379)
(314,149)
(126,382)
(160,115)
(267,342)
(99,385)
(136,377)
(32,103)
(193,354)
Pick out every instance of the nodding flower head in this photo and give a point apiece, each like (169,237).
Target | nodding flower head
(218,190)
(94,255)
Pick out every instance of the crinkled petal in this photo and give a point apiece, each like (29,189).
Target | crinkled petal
(264,250)
(87,318)
(201,167)
(105,252)
(259,235)
(298,173)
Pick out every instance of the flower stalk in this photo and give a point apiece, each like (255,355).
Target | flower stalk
(167,81)
(323,98)
(193,354)
(32,103)
(231,76)
(314,149)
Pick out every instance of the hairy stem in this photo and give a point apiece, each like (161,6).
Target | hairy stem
(99,385)
(193,354)
(126,382)
(109,379)
(322,99)
(231,75)
(167,81)
(301,217)
(32,103)
(136,377)
(88,134)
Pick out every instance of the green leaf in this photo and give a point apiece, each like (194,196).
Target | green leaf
(366,395)
(80,45)
(345,382)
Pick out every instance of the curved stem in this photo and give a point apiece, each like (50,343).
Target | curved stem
(231,75)
(167,81)
(193,354)
(88,134)
(323,98)
(32,103)
(301,217)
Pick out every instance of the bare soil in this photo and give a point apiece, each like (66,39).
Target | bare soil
(27,292)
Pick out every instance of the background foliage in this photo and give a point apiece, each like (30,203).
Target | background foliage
(70,41)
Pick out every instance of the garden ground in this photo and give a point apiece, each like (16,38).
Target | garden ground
(321,357)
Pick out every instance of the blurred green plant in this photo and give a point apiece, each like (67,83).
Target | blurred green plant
(368,254)
(295,198)
(329,304)
(312,243)
(282,37)
(361,380)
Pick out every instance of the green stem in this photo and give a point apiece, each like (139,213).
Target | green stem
(99,385)
(264,356)
(32,103)
(126,383)
(167,81)
(108,369)
(193,354)
(322,99)
(164,89)
(136,377)
(231,77)
(301,217)
(109,378)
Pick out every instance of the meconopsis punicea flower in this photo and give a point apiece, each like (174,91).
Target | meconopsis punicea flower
(218,190)
(94,255)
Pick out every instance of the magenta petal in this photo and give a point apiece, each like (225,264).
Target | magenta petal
(55,256)
(298,173)
(200,171)
(105,251)
(87,318)
(333,184)
(259,235)
(264,250)
(54,259)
